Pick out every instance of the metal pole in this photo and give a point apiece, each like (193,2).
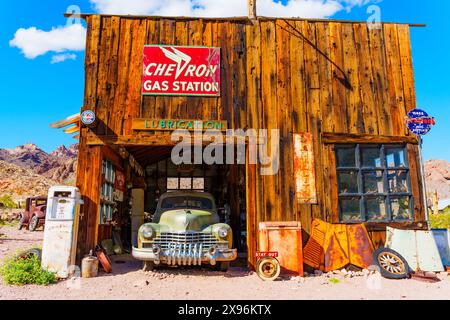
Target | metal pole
(422,173)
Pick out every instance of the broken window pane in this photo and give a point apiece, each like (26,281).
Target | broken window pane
(348,182)
(375,209)
(346,158)
(371,157)
(373,182)
(398,181)
(350,209)
(400,208)
(395,158)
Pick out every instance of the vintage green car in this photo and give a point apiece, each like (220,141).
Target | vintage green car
(185,230)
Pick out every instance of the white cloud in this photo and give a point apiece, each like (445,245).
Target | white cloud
(57,58)
(34,42)
(221,8)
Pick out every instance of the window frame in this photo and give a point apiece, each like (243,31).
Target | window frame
(385,169)
(179,183)
(107,190)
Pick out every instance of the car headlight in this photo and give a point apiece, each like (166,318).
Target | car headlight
(148,232)
(222,232)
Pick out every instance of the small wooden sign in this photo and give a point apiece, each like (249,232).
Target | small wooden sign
(177,124)
(304,173)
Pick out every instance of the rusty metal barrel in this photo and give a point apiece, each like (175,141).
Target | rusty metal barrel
(89,266)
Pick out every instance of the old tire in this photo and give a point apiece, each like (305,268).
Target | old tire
(268,268)
(148,266)
(20,222)
(391,264)
(222,266)
(34,222)
(28,253)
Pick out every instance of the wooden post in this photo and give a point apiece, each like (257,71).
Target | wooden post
(435,202)
(252,9)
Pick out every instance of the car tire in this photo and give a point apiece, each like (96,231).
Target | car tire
(391,264)
(20,222)
(33,224)
(27,253)
(223,266)
(148,266)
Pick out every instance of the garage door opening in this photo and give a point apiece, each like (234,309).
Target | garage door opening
(225,182)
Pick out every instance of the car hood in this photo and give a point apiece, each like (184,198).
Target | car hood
(188,220)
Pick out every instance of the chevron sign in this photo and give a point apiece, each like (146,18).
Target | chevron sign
(180,70)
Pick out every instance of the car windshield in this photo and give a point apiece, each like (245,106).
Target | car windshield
(183,202)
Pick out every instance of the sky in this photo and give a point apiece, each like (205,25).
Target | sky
(42,56)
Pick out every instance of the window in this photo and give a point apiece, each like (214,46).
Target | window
(107,203)
(188,183)
(373,183)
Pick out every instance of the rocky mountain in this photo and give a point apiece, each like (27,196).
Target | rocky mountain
(437,177)
(57,167)
(21,183)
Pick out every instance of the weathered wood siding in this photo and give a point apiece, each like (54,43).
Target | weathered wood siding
(295,75)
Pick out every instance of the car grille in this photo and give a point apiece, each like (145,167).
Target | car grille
(206,239)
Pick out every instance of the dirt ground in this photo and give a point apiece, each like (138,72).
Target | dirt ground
(128,282)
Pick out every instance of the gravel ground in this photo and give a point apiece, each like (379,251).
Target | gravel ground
(128,282)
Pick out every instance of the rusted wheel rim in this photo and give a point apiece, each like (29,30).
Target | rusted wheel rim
(391,263)
(268,269)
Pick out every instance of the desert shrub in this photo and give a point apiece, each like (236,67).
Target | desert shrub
(441,220)
(8,202)
(26,271)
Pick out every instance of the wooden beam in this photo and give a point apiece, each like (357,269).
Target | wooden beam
(259,18)
(378,226)
(332,138)
(151,140)
(252,9)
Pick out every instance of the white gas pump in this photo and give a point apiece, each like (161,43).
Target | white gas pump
(61,229)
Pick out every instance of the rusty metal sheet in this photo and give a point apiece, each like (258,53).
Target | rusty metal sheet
(417,247)
(360,246)
(334,246)
(304,172)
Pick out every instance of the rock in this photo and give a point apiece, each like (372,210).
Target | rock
(343,271)
(318,273)
(141,283)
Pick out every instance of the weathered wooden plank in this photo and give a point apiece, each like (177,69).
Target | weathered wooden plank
(416,182)
(339,83)
(112,70)
(354,105)
(381,84)
(407,68)
(119,105)
(335,138)
(397,104)
(366,81)
(284,103)
(91,62)
(313,104)
(269,105)
(134,97)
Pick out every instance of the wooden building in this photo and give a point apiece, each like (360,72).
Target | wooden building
(344,88)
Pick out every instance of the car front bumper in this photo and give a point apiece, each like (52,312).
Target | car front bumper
(184,257)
